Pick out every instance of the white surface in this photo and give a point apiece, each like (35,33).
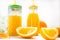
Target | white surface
(19,38)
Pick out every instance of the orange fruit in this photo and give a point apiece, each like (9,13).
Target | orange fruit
(49,33)
(43,24)
(3,35)
(26,32)
(58,28)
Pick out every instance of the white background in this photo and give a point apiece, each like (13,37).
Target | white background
(48,10)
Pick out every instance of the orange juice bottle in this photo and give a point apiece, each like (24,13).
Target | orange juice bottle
(33,18)
(14,19)
(3,27)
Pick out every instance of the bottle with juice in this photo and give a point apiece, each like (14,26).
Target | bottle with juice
(3,27)
(33,18)
(14,19)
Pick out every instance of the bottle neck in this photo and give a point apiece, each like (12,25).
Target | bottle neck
(34,11)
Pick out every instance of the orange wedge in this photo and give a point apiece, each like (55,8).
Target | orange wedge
(49,33)
(26,32)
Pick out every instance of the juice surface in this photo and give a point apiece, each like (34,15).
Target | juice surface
(13,23)
(33,20)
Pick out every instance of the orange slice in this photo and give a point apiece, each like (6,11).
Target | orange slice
(26,32)
(3,35)
(49,33)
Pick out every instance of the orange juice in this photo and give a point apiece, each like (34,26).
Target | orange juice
(33,20)
(13,23)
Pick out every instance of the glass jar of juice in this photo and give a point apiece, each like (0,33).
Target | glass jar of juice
(33,18)
(3,27)
(14,19)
